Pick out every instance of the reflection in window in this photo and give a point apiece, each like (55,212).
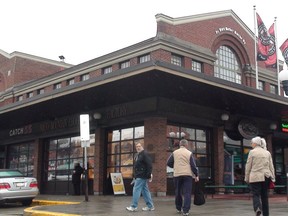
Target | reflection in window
(120,149)
(196,66)
(21,157)
(144,58)
(199,143)
(63,153)
(176,60)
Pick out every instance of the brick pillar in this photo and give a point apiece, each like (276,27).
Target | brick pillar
(269,143)
(98,162)
(218,155)
(38,160)
(155,144)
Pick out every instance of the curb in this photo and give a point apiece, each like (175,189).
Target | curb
(33,212)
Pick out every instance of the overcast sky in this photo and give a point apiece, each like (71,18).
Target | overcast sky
(82,30)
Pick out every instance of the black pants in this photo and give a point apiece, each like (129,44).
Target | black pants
(260,196)
(183,187)
(77,188)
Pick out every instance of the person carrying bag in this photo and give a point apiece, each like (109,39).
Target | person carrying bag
(199,197)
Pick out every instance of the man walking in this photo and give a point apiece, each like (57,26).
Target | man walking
(184,167)
(142,173)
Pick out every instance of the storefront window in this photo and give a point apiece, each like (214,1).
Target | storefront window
(279,158)
(120,150)
(63,153)
(21,157)
(199,143)
(239,149)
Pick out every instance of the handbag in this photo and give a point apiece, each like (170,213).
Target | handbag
(271,184)
(199,197)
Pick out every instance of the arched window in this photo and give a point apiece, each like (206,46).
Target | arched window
(226,66)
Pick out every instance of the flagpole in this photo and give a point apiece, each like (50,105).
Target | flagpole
(255,43)
(277,61)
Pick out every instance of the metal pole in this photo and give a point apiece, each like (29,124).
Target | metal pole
(287,182)
(86,172)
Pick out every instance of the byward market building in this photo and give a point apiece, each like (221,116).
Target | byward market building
(196,78)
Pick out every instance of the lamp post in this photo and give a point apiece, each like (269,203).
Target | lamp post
(283,77)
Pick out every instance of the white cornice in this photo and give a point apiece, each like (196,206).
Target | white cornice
(34,58)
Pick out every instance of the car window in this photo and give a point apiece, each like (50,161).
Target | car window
(10,173)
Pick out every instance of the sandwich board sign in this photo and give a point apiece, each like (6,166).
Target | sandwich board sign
(117,183)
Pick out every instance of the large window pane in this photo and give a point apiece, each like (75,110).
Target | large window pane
(226,66)
(120,154)
(127,134)
(198,142)
(21,157)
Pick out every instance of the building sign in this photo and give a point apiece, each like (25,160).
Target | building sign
(228,29)
(247,128)
(284,127)
(27,129)
(116,112)
(117,183)
(62,123)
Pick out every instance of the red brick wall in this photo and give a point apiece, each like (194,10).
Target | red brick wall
(26,69)
(155,143)
(98,161)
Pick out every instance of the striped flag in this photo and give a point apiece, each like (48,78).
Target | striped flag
(263,40)
(284,50)
(271,60)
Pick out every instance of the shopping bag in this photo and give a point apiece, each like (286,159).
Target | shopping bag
(271,185)
(199,197)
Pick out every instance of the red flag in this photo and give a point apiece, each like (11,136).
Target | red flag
(263,40)
(272,55)
(284,50)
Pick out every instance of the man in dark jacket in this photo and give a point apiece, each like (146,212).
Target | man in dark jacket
(142,173)
(76,178)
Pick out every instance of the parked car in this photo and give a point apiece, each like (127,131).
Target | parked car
(15,187)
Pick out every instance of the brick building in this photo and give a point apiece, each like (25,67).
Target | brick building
(195,79)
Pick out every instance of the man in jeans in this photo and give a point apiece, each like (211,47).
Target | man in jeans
(142,173)
(184,165)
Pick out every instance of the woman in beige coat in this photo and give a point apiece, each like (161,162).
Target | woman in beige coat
(259,171)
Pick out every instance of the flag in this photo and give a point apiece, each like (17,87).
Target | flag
(263,40)
(284,50)
(271,60)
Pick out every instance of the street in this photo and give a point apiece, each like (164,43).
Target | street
(15,209)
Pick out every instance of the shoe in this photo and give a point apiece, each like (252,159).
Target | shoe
(258,212)
(185,214)
(148,209)
(130,208)
(178,211)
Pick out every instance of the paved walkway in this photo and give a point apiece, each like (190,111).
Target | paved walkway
(115,205)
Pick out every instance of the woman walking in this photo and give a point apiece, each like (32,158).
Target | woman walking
(259,172)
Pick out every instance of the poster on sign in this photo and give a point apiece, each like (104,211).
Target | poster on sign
(117,183)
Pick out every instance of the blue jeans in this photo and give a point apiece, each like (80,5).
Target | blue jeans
(141,186)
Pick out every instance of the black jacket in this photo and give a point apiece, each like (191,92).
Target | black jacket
(143,165)
(77,172)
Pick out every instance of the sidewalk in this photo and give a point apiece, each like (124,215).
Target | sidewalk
(115,205)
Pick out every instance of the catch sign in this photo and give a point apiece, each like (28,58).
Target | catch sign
(84,127)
